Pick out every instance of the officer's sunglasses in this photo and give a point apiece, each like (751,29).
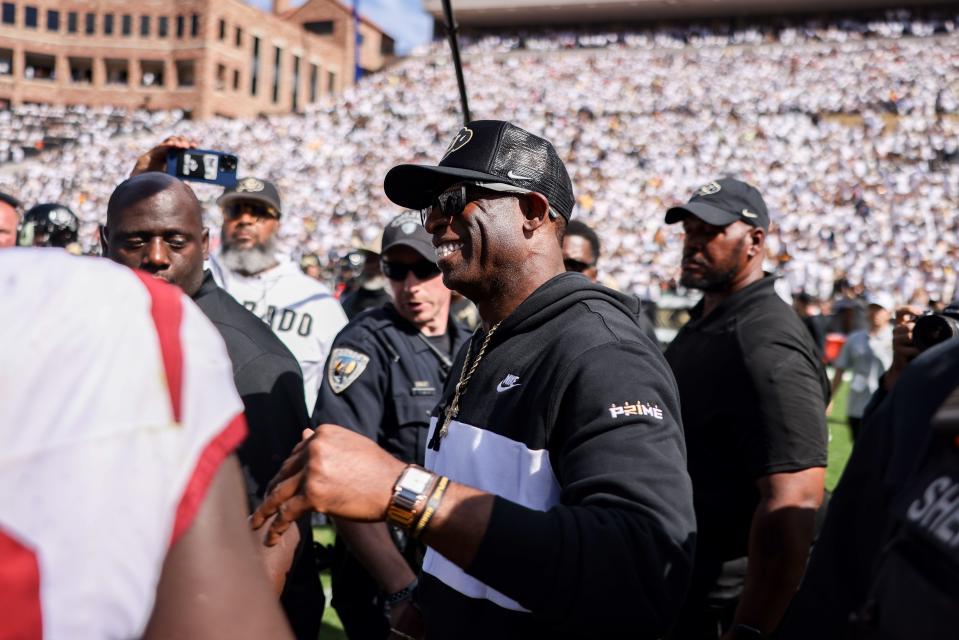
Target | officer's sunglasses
(452,201)
(423,270)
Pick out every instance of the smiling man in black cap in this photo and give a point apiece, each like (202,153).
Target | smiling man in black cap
(557,502)
(753,400)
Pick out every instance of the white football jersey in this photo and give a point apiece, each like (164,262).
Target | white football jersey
(117,407)
(301,311)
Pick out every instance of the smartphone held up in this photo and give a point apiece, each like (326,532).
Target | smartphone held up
(203,165)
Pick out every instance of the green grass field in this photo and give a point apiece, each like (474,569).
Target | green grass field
(840,445)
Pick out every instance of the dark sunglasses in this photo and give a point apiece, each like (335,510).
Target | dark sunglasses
(423,270)
(256,209)
(453,201)
(576,265)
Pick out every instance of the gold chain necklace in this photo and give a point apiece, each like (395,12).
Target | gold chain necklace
(453,410)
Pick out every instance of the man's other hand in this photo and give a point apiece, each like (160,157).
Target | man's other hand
(903,350)
(155,158)
(335,471)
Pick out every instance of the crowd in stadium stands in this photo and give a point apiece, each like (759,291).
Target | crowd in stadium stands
(848,129)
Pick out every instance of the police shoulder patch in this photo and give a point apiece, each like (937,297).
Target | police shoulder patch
(346,365)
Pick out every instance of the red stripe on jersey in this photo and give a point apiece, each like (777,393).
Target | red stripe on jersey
(206,467)
(20,613)
(167,312)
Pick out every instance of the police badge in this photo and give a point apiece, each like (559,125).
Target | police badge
(346,365)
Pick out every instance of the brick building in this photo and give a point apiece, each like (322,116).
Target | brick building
(209,57)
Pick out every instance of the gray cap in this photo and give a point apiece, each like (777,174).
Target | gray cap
(406,230)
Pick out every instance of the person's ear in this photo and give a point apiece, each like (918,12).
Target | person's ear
(535,209)
(757,241)
(104,243)
(205,242)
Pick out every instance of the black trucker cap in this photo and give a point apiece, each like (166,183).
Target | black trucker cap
(723,202)
(486,151)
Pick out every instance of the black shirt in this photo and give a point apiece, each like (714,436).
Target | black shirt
(572,420)
(269,382)
(753,398)
(876,484)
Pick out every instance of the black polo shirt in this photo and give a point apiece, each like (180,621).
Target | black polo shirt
(753,395)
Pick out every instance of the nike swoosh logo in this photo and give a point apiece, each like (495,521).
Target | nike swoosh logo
(749,214)
(500,388)
(516,176)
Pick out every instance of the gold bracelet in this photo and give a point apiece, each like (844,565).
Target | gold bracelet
(431,506)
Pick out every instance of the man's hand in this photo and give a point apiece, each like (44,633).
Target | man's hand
(332,470)
(903,350)
(155,158)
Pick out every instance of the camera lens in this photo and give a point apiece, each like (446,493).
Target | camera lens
(932,329)
(228,163)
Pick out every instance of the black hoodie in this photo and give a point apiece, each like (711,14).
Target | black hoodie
(572,420)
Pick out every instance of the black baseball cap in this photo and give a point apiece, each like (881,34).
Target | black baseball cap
(252,189)
(723,202)
(486,151)
(10,200)
(405,230)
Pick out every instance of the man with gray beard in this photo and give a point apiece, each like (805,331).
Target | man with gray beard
(300,310)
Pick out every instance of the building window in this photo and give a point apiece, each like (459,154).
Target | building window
(144,26)
(277,59)
(180,22)
(163,28)
(118,71)
(222,29)
(91,23)
(314,82)
(238,39)
(236,79)
(330,82)
(321,28)
(185,73)
(30,17)
(9,13)
(72,22)
(6,62)
(255,67)
(295,91)
(194,25)
(220,80)
(151,73)
(108,24)
(39,66)
(127,25)
(81,70)
(53,20)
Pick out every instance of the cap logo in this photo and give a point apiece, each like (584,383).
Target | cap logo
(408,228)
(517,176)
(749,214)
(459,140)
(709,189)
(249,185)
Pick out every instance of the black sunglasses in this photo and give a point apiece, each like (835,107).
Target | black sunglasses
(453,201)
(423,270)
(577,265)
(256,209)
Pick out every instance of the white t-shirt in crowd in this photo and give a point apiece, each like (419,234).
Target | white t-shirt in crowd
(301,311)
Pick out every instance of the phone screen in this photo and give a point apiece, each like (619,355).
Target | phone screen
(197,165)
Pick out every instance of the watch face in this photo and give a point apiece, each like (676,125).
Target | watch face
(416,480)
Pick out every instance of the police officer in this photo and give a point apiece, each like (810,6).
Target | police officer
(384,375)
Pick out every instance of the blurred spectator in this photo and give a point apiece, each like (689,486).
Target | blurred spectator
(9,220)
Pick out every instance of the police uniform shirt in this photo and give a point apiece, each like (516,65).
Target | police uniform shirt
(753,398)
(383,380)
